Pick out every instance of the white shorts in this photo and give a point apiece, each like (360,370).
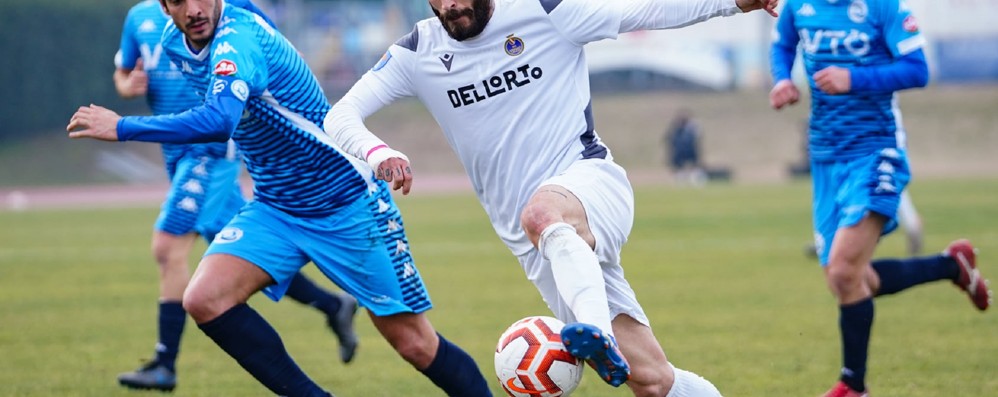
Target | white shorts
(606,195)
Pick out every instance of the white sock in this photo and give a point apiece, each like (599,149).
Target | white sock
(577,274)
(688,384)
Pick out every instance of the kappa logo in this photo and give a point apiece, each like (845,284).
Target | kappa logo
(147,26)
(446,60)
(806,10)
(225,67)
(228,235)
(188,204)
(225,31)
(186,67)
(225,48)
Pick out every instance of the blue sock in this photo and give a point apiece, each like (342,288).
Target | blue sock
(455,372)
(897,275)
(307,292)
(171,326)
(247,337)
(855,324)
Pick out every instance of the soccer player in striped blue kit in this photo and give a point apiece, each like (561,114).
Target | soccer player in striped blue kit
(204,195)
(857,55)
(508,83)
(312,202)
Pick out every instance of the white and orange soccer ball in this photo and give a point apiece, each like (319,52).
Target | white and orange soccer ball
(531,361)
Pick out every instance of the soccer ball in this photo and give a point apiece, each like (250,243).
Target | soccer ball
(531,361)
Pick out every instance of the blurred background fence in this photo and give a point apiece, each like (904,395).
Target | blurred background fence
(58,55)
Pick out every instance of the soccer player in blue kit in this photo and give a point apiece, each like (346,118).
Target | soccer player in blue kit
(857,55)
(204,195)
(312,202)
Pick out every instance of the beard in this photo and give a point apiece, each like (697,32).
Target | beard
(478,15)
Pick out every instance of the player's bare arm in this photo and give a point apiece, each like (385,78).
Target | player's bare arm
(833,80)
(94,122)
(784,93)
(131,83)
(751,5)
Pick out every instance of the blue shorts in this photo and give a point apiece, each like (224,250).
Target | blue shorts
(204,195)
(362,249)
(846,191)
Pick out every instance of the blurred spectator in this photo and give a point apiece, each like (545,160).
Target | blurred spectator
(682,140)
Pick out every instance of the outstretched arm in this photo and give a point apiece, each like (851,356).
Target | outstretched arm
(668,14)
(212,122)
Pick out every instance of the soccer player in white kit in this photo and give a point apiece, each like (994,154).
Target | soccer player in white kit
(508,83)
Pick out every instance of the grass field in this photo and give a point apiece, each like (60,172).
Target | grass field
(720,271)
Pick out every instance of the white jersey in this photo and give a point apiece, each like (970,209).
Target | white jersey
(514,101)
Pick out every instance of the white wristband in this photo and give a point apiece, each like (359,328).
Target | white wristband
(384,153)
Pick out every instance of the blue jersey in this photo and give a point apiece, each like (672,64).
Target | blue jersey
(251,75)
(168,91)
(848,34)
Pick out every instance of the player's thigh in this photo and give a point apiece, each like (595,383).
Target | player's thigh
(268,239)
(607,199)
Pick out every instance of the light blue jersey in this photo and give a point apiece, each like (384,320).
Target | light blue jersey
(299,171)
(204,193)
(849,34)
(168,92)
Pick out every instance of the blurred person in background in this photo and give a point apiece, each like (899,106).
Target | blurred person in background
(857,54)
(682,140)
(204,195)
(508,83)
(312,202)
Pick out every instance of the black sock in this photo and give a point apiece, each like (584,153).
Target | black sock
(307,292)
(172,318)
(855,324)
(456,373)
(247,337)
(896,275)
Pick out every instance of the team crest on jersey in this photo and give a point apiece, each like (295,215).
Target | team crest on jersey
(858,11)
(240,90)
(909,24)
(383,61)
(228,235)
(513,45)
(225,67)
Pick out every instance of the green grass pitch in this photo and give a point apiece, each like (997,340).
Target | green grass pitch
(720,271)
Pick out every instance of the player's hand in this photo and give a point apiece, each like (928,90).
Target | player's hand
(833,80)
(391,166)
(750,5)
(784,93)
(94,122)
(135,82)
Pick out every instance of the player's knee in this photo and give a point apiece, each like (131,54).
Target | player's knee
(535,218)
(844,278)
(416,350)
(202,304)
